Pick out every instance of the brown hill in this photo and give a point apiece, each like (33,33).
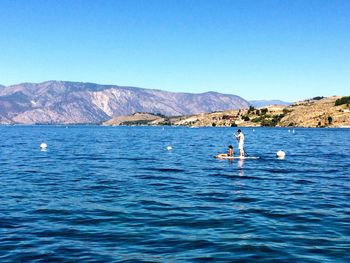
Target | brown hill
(317,112)
(135,119)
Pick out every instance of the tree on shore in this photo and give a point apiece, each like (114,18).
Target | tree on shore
(330,120)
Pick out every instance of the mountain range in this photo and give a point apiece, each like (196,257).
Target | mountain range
(263,103)
(317,112)
(63,102)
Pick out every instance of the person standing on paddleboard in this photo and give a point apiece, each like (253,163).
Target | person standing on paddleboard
(240,137)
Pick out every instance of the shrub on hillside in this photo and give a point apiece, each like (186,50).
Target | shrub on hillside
(272,121)
(267,123)
(343,100)
(246,118)
(251,109)
(257,119)
(330,120)
(264,111)
(285,111)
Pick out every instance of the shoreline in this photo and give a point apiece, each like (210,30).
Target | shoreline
(184,126)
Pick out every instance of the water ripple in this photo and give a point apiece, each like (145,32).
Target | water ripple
(107,194)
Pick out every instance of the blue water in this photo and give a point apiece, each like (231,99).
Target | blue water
(111,194)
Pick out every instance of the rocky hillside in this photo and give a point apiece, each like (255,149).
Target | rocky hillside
(317,112)
(76,102)
(136,119)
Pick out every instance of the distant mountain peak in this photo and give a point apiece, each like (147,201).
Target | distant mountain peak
(264,103)
(82,102)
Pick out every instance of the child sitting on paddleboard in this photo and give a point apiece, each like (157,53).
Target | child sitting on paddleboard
(230,153)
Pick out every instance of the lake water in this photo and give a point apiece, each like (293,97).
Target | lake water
(111,194)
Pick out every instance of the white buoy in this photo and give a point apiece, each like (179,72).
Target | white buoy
(288,130)
(293,131)
(169,148)
(43,146)
(281,154)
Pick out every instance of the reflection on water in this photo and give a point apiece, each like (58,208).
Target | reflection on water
(240,164)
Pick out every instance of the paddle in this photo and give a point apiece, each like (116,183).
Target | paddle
(245,153)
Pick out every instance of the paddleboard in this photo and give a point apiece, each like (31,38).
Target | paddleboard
(224,156)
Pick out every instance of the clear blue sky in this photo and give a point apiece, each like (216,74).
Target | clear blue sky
(263,49)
